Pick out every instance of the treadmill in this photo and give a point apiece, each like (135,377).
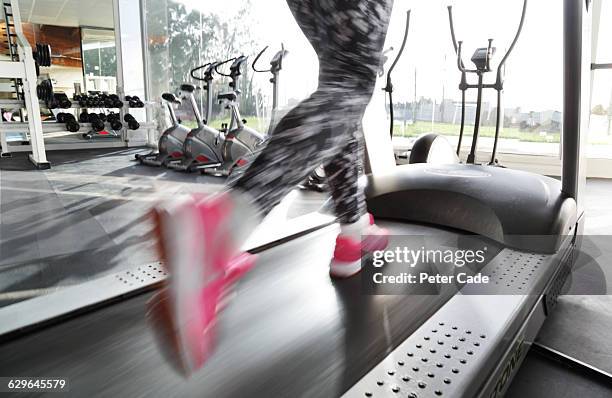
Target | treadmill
(292,331)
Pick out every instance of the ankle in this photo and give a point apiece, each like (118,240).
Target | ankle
(355,229)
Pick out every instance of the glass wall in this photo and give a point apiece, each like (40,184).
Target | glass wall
(183,34)
(427,77)
(600,135)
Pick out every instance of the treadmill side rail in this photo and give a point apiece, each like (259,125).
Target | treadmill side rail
(474,344)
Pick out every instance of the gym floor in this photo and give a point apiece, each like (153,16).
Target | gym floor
(87,217)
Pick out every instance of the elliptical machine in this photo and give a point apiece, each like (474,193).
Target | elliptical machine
(430,147)
(170,146)
(482,61)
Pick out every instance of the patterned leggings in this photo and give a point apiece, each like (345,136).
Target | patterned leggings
(348,37)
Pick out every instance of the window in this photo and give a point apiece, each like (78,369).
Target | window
(600,134)
(181,35)
(99,59)
(427,77)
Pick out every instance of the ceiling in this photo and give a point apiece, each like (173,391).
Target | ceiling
(92,13)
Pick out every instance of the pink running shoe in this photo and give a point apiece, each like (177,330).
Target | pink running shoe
(200,251)
(349,251)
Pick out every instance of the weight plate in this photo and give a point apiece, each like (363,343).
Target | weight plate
(48,54)
(37,54)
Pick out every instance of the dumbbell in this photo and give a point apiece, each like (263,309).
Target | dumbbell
(134,101)
(71,123)
(84,116)
(61,100)
(117,103)
(81,99)
(61,117)
(114,121)
(102,116)
(131,121)
(96,123)
(108,102)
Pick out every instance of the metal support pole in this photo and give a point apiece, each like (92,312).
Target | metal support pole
(130,64)
(499,122)
(576,94)
(209,101)
(38,156)
(119,54)
(471,159)
(461,129)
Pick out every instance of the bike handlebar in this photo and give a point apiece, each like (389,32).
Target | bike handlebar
(275,63)
(210,67)
(257,59)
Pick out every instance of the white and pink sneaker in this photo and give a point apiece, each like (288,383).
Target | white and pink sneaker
(199,243)
(354,241)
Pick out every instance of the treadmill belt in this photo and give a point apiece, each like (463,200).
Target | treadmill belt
(290,331)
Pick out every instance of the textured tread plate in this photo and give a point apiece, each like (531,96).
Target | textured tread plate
(42,309)
(452,349)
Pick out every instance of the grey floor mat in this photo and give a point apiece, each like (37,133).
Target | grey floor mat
(541,377)
(580,327)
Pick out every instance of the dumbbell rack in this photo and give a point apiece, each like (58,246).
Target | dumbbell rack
(54,127)
(22,70)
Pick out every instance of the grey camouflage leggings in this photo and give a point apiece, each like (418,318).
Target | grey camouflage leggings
(348,37)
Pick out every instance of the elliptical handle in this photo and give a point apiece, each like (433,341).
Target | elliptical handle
(459,60)
(516,37)
(389,86)
(401,50)
(456,45)
(489,53)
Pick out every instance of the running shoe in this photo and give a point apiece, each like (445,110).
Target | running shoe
(349,250)
(201,254)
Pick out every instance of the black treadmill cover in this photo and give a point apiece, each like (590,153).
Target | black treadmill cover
(521,210)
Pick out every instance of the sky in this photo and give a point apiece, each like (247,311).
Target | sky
(534,70)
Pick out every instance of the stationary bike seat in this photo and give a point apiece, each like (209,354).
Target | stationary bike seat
(231,96)
(190,88)
(170,98)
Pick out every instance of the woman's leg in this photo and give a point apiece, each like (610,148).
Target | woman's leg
(321,128)
(199,239)
(313,133)
(342,174)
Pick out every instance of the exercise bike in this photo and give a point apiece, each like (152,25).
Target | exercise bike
(276,65)
(170,146)
(217,150)
(201,147)
(221,151)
